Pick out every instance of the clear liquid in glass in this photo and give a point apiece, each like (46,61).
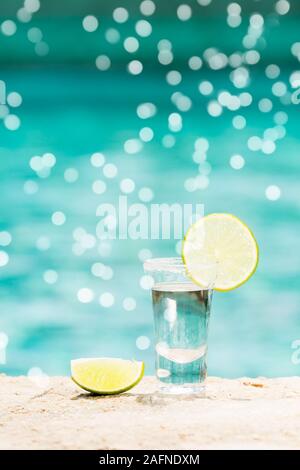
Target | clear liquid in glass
(181,317)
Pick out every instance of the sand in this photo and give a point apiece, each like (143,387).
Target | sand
(235,414)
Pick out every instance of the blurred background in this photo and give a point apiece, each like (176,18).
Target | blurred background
(163,102)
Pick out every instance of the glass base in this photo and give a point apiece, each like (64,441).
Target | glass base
(184,389)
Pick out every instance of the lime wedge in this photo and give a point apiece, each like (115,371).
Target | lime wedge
(106,376)
(223,241)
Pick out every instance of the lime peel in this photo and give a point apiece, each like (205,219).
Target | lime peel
(106,376)
(228,243)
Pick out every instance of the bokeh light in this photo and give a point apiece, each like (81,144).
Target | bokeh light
(85,295)
(90,23)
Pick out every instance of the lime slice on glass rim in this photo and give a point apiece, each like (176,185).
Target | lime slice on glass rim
(106,376)
(225,240)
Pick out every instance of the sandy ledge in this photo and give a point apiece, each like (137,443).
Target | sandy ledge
(235,414)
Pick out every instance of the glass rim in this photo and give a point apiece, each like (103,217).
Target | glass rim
(172,264)
(164,264)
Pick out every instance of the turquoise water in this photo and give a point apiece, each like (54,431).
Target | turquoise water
(74,112)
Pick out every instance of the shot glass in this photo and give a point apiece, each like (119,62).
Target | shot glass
(181,312)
